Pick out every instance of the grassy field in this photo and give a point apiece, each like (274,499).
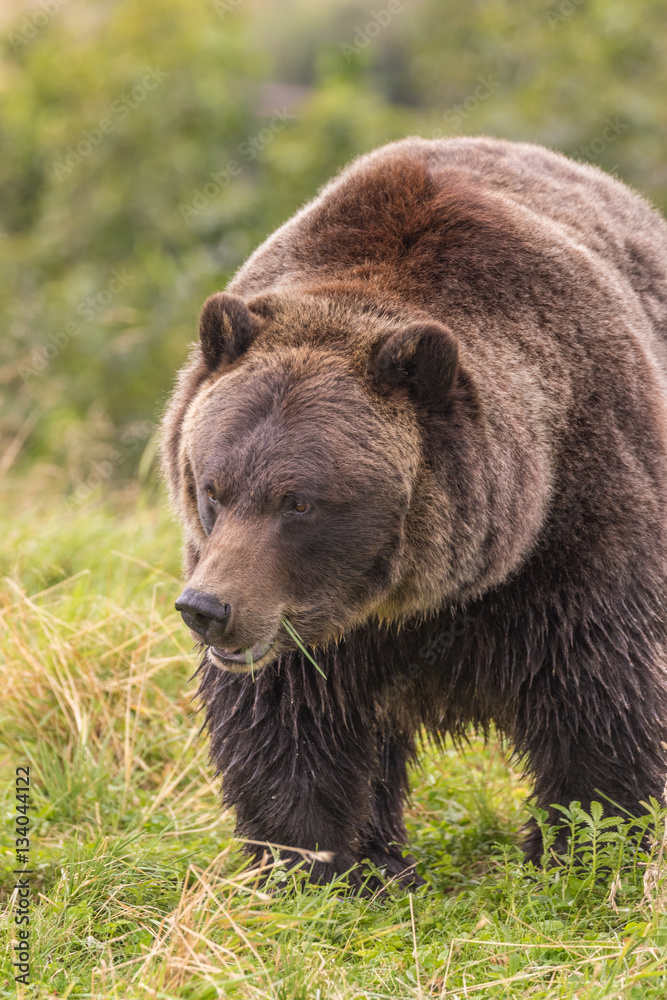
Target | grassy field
(138,885)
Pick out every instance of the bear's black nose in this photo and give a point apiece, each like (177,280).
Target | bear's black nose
(204,614)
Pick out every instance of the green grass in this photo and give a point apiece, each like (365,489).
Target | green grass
(139,889)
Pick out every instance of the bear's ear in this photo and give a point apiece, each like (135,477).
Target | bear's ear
(423,359)
(226,328)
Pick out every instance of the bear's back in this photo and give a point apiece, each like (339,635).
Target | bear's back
(591,207)
(408,206)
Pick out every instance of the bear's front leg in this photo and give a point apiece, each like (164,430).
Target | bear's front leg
(385,835)
(596,730)
(298,767)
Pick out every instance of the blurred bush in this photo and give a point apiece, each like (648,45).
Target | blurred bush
(146,148)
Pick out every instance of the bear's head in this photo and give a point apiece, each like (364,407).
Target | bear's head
(293,448)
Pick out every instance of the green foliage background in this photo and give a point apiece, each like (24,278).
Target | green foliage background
(557,74)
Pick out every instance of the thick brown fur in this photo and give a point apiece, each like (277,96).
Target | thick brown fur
(455,358)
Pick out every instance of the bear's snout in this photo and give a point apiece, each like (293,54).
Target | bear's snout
(204,614)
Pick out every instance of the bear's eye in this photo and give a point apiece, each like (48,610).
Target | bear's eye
(295,506)
(211,495)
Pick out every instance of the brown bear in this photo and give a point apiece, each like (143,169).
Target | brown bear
(422,443)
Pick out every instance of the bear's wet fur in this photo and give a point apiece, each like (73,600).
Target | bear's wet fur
(426,423)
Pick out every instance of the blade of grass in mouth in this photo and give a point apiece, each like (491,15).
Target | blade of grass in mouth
(293,634)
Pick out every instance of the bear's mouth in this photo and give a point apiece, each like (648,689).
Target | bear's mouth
(242,660)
